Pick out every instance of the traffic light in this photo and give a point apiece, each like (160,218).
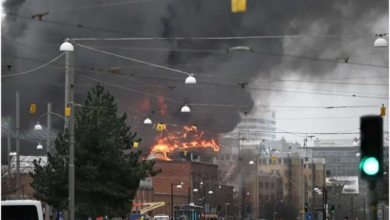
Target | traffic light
(332,209)
(219,207)
(371,148)
(306,208)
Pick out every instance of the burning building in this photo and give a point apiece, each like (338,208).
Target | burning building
(188,139)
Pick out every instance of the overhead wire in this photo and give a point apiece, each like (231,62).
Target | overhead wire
(107,5)
(134,60)
(29,71)
(217,38)
(248,53)
(78,26)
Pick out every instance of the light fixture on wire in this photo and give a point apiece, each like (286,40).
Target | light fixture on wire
(12,153)
(148,121)
(195,190)
(38,127)
(190,79)
(210,192)
(39,147)
(185,108)
(380,41)
(179,186)
(251,162)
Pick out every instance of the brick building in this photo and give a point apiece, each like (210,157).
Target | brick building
(177,172)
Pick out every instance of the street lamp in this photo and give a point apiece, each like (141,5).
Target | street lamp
(380,41)
(185,108)
(358,154)
(196,190)
(148,121)
(210,192)
(40,147)
(251,162)
(67,47)
(178,185)
(38,127)
(190,79)
(12,153)
(240,48)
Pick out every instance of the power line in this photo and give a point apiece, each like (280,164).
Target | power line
(79,26)
(217,38)
(136,91)
(255,52)
(22,73)
(134,60)
(109,5)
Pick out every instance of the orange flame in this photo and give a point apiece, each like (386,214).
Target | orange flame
(189,137)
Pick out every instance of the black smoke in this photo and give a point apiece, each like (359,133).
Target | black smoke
(28,43)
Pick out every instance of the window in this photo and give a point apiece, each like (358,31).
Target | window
(279,161)
(19,212)
(261,185)
(272,185)
(266,185)
(340,154)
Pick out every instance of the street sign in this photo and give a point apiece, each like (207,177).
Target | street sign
(309,216)
(67,111)
(33,108)
(383,110)
(303,211)
(273,158)
(238,6)
(160,127)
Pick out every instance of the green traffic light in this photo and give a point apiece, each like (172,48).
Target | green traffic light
(370,166)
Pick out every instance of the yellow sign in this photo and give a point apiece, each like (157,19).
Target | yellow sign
(383,110)
(67,111)
(135,144)
(238,6)
(160,127)
(185,153)
(303,211)
(33,108)
(273,158)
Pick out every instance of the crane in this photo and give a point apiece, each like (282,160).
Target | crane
(151,206)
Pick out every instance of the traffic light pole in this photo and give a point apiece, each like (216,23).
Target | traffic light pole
(372,201)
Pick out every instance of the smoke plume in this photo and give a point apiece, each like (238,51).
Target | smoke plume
(28,43)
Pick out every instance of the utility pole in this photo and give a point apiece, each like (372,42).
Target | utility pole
(17,145)
(69,66)
(69,102)
(8,153)
(48,143)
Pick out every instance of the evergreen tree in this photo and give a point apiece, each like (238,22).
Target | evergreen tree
(107,179)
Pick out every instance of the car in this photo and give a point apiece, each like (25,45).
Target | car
(21,210)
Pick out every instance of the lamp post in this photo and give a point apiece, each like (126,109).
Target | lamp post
(69,100)
(178,185)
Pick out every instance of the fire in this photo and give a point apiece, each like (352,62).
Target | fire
(189,137)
